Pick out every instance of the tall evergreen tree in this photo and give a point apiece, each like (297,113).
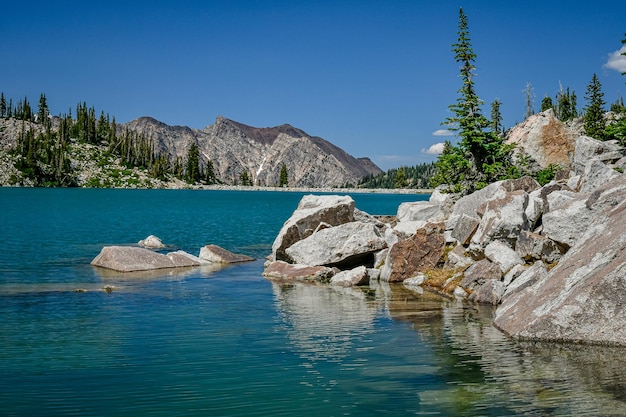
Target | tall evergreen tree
(192,166)
(43,112)
(3,105)
(594,112)
(496,117)
(481,156)
(209,173)
(283,181)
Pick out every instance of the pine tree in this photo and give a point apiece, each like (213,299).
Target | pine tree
(283,181)
(192,166)
(496,117)
(594,112)
(400,181)
(481,156)
(43,112)
(547,103)
(3,105)
(210,173)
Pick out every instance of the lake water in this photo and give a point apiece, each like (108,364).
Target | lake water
(199,342)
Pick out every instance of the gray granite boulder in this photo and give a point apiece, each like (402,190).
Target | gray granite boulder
(333,210)
(131,258)
(349,244)
(353,277)
(503,219)
(588,149)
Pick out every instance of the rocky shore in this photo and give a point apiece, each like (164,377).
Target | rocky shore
(550,257)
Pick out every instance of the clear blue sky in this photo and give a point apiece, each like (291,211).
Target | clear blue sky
(373,77)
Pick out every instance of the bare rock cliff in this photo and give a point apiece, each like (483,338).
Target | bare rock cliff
(233,148)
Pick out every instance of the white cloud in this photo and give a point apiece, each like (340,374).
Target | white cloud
(443,132)
(435,149)
(617,61)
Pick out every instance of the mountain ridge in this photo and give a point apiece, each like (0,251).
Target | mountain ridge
(234,148)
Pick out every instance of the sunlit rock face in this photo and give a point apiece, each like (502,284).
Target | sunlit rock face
(234,148)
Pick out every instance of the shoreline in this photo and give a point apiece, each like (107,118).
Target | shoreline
(215,187)
(316,190)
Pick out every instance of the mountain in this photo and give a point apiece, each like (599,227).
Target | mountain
(234,148)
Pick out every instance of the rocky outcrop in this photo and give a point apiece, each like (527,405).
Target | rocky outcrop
(552,257)
(582,298)
(544,139)
(130,259)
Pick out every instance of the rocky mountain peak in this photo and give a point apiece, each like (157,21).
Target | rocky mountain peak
(262,135)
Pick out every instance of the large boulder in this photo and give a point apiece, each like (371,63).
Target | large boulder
(216,254)
(419,253)
(473,204)
(420,211)
(348,245)
(596,174)
(313,210)
(503,219)
(581,299)
(131,258)
(545,139)
(589,148)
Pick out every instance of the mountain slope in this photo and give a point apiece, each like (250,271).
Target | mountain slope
(233,148)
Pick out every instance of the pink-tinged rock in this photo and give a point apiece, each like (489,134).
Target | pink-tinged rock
(284,270)
(582,299)
(532,246)
(418,253)
(216,254)
(130,258)
(479,273)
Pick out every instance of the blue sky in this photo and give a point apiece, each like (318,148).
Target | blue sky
(373,77)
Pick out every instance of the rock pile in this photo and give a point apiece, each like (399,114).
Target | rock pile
(552,257)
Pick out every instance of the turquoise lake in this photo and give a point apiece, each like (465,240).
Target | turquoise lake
(202,342)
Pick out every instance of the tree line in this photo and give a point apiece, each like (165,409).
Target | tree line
(416,177)
(43,152)
(481,154)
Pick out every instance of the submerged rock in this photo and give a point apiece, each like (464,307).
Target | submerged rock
(284,270)
(216,254)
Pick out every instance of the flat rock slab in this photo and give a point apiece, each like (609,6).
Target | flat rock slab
(216,254)
(284,270)
(131,258)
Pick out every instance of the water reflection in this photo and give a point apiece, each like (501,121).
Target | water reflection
(465,365)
